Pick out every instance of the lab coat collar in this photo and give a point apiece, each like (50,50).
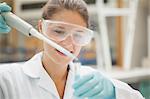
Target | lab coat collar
(34,69)
(33,66)
(47,83)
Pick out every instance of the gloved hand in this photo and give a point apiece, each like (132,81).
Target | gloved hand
(93,86)
(4,28)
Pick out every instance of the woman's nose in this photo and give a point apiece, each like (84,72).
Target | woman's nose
(68,41)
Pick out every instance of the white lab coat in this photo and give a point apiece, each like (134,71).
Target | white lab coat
(30,81)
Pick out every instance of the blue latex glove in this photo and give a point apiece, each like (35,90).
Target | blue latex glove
(4,28)
(93,86)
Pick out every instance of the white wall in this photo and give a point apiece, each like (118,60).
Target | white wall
(140,45)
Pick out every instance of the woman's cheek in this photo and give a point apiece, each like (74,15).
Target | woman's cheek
(77,51)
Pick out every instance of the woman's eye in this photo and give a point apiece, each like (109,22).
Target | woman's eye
(77,35)
(59,31)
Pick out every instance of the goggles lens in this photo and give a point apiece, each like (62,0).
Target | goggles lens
(59,31)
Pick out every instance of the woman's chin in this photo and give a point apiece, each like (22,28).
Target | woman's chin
(63,60)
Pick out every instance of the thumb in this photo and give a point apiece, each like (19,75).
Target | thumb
(4,7)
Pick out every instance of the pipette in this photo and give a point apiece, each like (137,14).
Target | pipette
(28,30)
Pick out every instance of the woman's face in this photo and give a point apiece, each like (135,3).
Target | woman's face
(67,43)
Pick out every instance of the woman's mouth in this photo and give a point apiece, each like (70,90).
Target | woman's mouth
(62,54)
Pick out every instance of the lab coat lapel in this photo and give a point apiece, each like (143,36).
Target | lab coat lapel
(34,69)
(70,80)
(47,84)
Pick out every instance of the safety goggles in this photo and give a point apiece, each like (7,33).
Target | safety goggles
(59,31)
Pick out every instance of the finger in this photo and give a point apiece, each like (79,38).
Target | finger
(93,92)
(6,30)
(82,80)
(2,22)
(4,7)
(98,96)
(107,93)
(101,95)
(86,87)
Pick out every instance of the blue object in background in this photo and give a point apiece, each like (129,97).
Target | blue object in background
(87,57)
(145,89)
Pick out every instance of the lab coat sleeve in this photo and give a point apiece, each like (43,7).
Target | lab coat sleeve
(1,94)
(124,91)
(1,87)
(5,82)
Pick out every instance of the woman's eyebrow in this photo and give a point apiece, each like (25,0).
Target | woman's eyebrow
(60,27)
(79,30)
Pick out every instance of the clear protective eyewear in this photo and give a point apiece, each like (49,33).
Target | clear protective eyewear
(59,31)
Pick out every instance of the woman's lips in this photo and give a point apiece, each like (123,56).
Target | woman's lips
(62,54)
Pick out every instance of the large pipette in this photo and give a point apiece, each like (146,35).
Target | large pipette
(28,30)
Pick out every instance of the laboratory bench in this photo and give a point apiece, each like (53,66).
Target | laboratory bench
(134,75)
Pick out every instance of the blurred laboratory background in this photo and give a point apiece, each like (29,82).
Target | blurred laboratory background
(120,47)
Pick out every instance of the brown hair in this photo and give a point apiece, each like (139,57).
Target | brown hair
(54,6)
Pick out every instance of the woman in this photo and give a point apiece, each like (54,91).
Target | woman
(50,74)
